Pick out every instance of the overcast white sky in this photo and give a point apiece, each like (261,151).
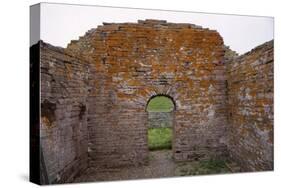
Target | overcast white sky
(62,23)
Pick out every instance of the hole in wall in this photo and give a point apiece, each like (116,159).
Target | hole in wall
(48,113)
(186,64)
(82,111)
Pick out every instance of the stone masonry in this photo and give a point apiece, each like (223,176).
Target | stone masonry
(95,91)
(250,112)
(63,130)
(133,62)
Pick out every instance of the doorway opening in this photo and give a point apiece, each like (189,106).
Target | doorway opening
(160,110)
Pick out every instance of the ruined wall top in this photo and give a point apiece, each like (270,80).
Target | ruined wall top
(263,47)
(148,27)
(157,23)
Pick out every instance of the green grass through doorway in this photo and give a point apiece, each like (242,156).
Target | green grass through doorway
(160,104)
(159,138)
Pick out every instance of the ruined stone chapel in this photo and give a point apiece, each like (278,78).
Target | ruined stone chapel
(95,91)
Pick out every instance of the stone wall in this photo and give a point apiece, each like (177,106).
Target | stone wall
(135,61)
(160,119)
(63,127)
(250,95)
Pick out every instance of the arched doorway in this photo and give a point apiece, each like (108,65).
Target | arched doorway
(160,109)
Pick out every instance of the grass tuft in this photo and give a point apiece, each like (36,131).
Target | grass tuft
(211,166)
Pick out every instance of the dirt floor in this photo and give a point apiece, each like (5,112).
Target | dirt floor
(160,164)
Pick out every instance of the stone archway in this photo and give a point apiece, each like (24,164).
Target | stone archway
(160,129)
(160,110)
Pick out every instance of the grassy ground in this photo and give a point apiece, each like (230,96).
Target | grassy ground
(161,164)
(160,104)
(202,167)
(159,138)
